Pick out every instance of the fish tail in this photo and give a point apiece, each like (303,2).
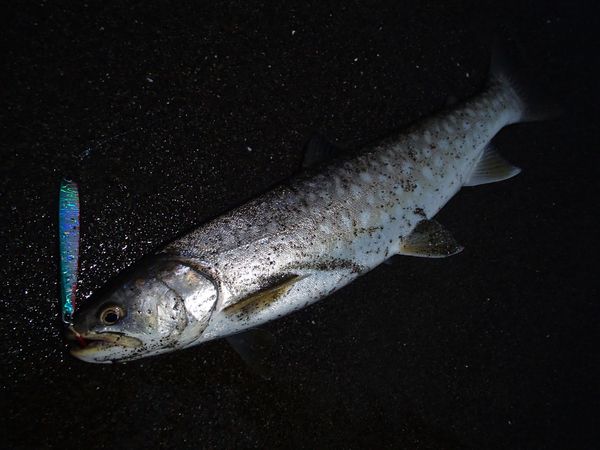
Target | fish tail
(533,104)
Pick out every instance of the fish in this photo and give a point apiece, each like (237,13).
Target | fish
(68,236)
(341,217)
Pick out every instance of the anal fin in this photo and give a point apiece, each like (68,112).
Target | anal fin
(430,240)
(490,168)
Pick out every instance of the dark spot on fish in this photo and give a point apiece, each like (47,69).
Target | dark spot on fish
(420,212)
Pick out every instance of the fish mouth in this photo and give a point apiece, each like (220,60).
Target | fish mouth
(88,344)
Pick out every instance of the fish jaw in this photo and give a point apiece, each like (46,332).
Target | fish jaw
(104,348)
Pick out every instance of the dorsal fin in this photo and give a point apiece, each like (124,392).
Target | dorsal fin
(490,168)
(262,298)
(318,150)
(430,240)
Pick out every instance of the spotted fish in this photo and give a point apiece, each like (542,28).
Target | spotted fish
(308,237)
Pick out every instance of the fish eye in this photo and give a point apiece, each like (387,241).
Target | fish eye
(111,315)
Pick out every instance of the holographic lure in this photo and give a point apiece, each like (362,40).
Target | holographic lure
(68,229)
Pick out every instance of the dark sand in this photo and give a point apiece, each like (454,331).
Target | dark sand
(169,114)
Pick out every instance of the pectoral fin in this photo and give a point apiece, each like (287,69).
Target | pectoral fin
(273,290)
(254,347)
(430,240)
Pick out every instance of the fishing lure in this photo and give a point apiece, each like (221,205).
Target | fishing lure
(68,235)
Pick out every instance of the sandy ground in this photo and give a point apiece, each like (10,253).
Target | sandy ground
(169,114)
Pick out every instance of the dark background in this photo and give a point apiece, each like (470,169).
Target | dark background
(169,113)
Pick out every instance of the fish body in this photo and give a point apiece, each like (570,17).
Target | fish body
(309,237)
(329,227)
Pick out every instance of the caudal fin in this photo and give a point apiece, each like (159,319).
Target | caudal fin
(534,104)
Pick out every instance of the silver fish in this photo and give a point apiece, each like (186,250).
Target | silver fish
(305,239)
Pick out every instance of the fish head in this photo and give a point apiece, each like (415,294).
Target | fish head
(160,306)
